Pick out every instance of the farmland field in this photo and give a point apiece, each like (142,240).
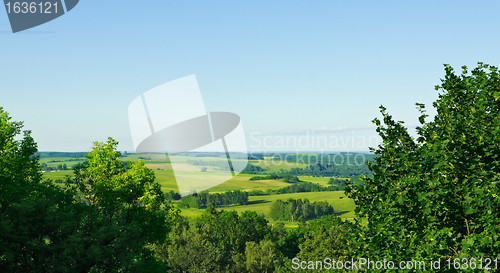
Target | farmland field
(276,165)
(167,181)
(343,206)
(57,175)
(323,181)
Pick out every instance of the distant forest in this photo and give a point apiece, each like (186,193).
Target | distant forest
(299,210)
(203,199)
(61,154)
(342,165)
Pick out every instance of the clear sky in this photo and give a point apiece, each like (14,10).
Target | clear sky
(285,67)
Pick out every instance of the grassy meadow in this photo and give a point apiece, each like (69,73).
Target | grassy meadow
(162,167)
(343,206)
(276,165)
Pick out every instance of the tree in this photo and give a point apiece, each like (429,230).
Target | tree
(37,218)
(328,237)
(105,222)
(437,196)
(126,210)
(214,242)
(261,257)
(171,195)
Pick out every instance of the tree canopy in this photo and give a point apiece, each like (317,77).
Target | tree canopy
(102,221)
(437,195)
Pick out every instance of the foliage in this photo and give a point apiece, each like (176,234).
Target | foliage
(296,209)
(437,196)
(329,236)
(100,222)
(126,206)
(337,165)
(341,183)
(252,169)
(296,188)
(274,176)
(61,154)
(19,168)
(203,199)
(261,257)
(214,242)
(326,237)
(171,195)
(304,187)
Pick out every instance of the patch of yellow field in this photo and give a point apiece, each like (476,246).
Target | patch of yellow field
(161,166)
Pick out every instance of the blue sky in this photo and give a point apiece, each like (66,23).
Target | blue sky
(285,67)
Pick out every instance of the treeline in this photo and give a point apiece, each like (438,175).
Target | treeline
(286,178)
(338,165)
(252,169)
(333,181)
(59,167)
(203,199)
(342,158)
(61,154)
(298,210)
(296,188)
(330,170)
(172,195)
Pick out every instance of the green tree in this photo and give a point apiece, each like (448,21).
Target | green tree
(261,257)
(95,225)
(214,242)
(127,211)
(191,250)
(328,237)
(37,218)
(437,196)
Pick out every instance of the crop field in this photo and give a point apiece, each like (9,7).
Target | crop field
(323,181)
(167,181)
(160,163)
(343,206)
(276,165)
(241,182)
(57,175)
(54,161)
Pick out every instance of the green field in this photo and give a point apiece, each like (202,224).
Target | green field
(167,181)
(276,165)
(69,161)
(261,204)
(154,157)
(323,181)
(344,207)
(57,175)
